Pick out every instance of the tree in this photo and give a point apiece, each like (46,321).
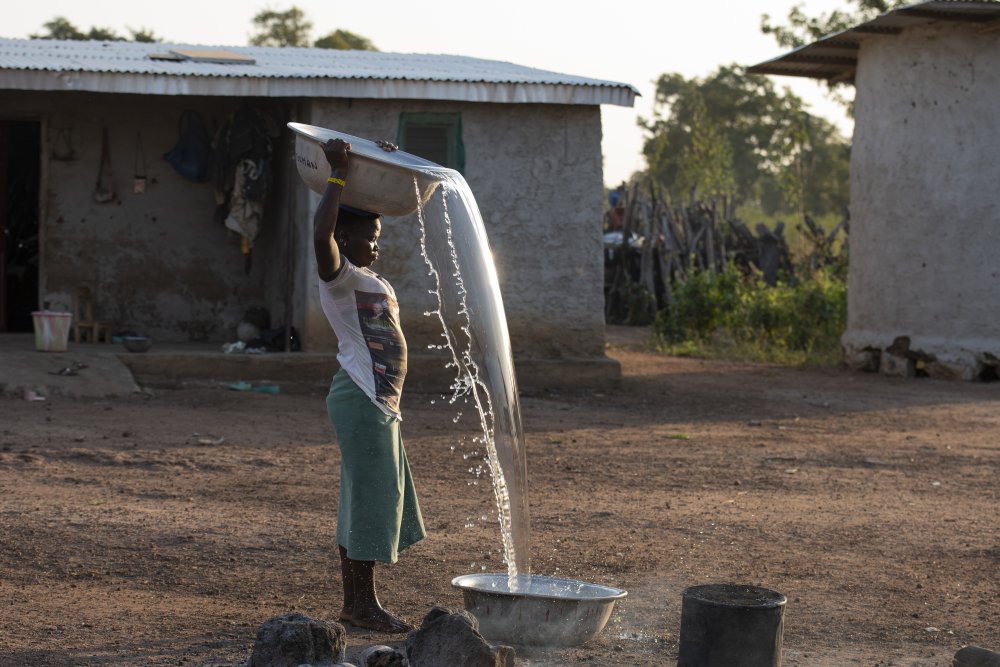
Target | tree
(345,40)
(287,28)
(143,35)
(743,109)
(104,35)
(731,135)
(706,162)
(802,29)
(61,28)
(292,28)
(811,168)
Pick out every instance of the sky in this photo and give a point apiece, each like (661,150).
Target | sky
(628,41)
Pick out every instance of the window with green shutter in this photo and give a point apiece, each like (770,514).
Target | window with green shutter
(433,136)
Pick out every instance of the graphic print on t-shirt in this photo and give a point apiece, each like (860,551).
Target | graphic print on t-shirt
(378,316)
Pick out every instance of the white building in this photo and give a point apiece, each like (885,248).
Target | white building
(159,262)
(924,277)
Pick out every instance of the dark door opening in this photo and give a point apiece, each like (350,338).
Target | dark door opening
(20,173)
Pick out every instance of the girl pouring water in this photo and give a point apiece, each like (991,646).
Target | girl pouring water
(378,515)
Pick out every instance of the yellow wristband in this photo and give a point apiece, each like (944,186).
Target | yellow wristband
(339,181)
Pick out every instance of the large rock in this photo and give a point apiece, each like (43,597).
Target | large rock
(973,656)
(449,638)
(294,639)
(866,359)
(893,365)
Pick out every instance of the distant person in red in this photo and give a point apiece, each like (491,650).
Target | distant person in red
(378,515)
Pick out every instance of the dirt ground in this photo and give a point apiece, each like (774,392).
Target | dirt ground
(130,536)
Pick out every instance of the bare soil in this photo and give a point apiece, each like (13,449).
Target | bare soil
(129,535)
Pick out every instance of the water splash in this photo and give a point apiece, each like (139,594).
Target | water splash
(474,328)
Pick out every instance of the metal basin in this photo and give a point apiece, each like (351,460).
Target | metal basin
(137,343)
(543,611)
(377,181)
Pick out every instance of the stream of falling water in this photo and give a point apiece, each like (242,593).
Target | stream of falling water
(470,310)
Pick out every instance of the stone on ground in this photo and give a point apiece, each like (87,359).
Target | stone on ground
(383,656)
(292,640)
(973,656)
(448,638)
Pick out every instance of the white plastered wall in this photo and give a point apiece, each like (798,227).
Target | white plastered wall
(536,173)
(925,200)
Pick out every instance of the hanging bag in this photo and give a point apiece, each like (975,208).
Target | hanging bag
(190,155)
(104,190)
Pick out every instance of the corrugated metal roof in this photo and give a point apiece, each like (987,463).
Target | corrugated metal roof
(835,57)
(291,72)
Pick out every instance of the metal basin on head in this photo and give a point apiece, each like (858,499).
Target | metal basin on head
(543,611)
(377,181)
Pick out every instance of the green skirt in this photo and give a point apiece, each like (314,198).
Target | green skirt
(378,515)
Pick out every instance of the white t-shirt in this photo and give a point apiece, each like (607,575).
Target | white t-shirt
(362,309)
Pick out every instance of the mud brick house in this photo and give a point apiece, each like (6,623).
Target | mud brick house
(85,127)
(924,277)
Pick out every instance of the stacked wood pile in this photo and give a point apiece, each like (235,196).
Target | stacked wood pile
(662,242)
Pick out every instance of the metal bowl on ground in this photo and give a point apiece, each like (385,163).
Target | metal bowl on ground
(137,343)
(542,611)
(377,181)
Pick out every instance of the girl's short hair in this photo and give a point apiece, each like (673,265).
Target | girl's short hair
(349,218)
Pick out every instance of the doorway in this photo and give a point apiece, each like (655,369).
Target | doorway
(20,174)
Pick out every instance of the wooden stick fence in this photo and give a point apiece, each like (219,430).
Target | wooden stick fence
(663,242)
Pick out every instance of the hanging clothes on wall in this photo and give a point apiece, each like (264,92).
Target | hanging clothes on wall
(242,171)
(245,212)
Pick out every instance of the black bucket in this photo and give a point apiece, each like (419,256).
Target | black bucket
(730,625)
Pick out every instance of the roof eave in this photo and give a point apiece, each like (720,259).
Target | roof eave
(321,87)
(813,60)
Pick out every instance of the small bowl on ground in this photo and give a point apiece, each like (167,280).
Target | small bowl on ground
(137,343)
(540,611)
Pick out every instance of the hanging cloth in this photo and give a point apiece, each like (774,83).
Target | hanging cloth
(104,190)
(245,214)
(139,167)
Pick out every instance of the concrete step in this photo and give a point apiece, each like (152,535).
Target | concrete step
(312,371)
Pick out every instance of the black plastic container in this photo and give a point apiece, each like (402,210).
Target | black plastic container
(731,625)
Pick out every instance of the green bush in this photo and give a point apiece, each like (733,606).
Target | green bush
(732,315)
(640,304)
(635,305)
